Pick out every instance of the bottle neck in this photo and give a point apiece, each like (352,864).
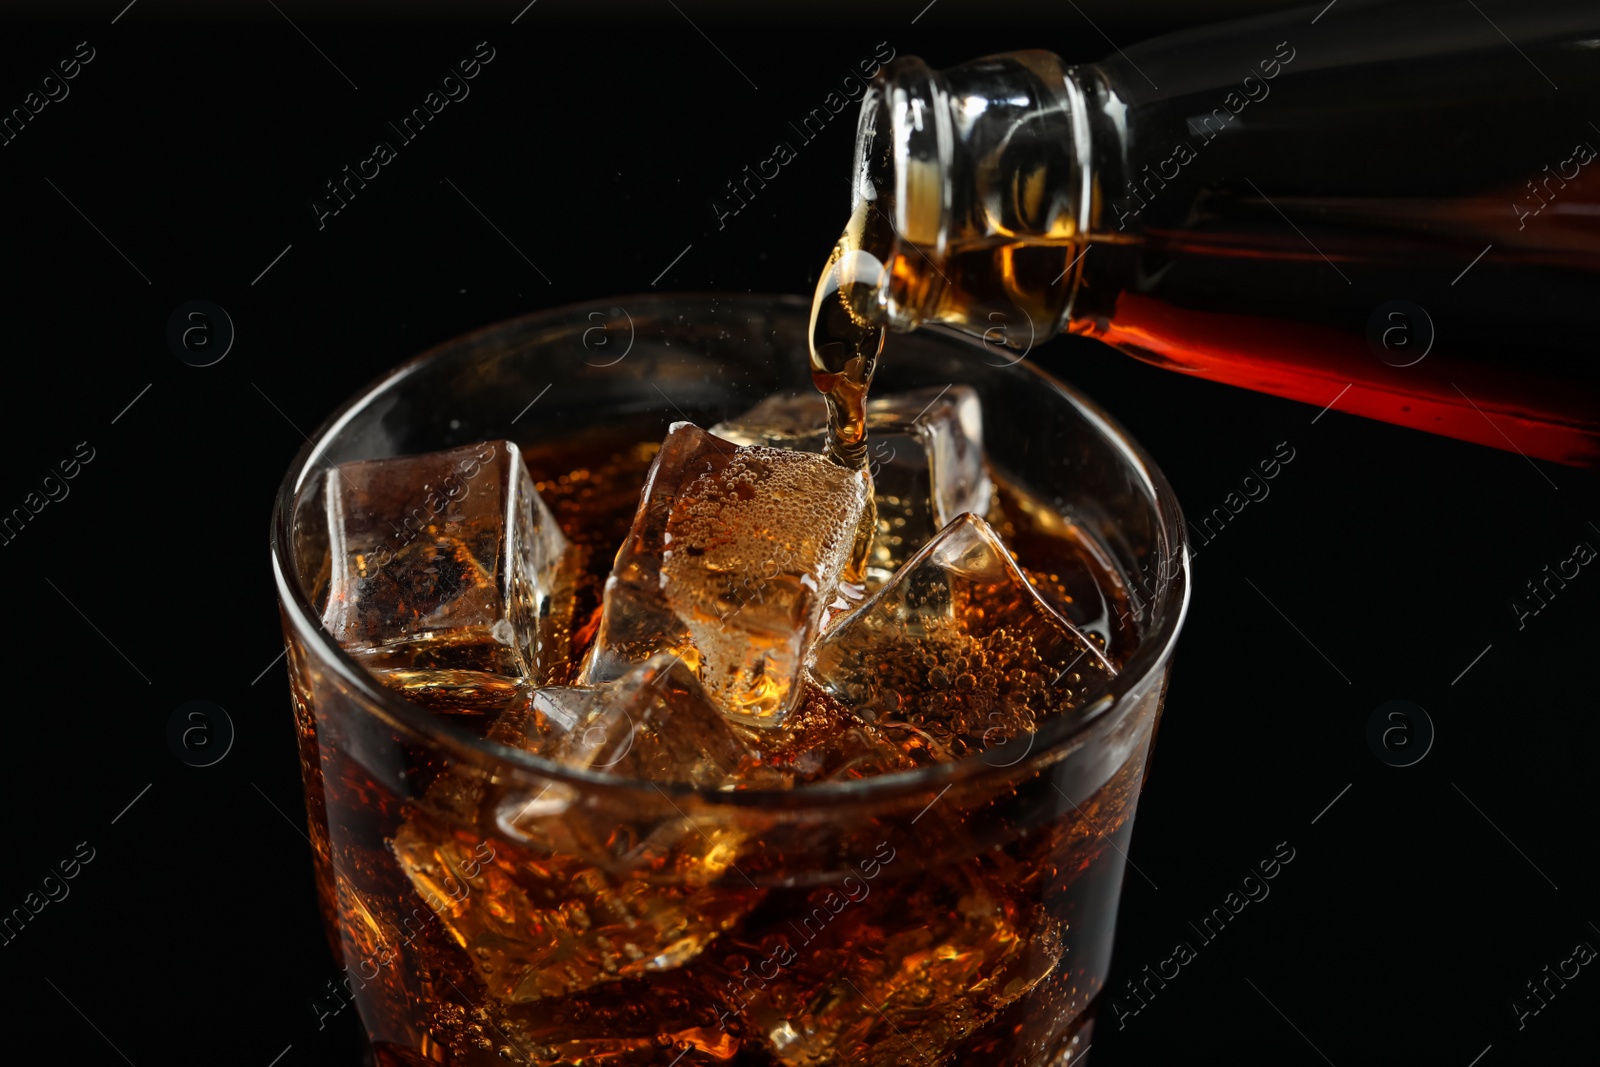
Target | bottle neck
(973,187)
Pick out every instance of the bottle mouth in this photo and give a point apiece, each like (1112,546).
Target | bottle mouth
(967,184)
(900,195)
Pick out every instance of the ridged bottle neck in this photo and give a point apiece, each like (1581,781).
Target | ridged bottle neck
(969,184)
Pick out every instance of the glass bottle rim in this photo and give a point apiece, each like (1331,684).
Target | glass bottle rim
(1052,742)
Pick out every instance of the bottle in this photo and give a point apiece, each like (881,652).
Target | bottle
(1389,210)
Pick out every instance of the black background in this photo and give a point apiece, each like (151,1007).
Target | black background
(183,162)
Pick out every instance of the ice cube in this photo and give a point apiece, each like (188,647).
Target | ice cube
(960,647)
(853,983)
(535,720)
(655,723)
(556,709)
(538,923)
(924,450)
(799,422)
(448,562)
(734,555)
(565,895)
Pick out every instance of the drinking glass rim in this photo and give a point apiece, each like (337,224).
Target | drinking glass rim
(1058,736)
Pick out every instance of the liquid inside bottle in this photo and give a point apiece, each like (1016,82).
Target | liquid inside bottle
(1396,215)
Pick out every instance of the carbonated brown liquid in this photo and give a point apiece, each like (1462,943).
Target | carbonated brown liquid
(976,935)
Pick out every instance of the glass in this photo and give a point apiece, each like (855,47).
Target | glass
(1301,210)
(962,912)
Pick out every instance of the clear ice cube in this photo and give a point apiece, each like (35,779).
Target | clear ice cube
(536,720)
(539,923)
(655,724)
(556,710)
(959,647)
(447,563)
(733,557)
(568,896)
(799,422)
(924,450)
